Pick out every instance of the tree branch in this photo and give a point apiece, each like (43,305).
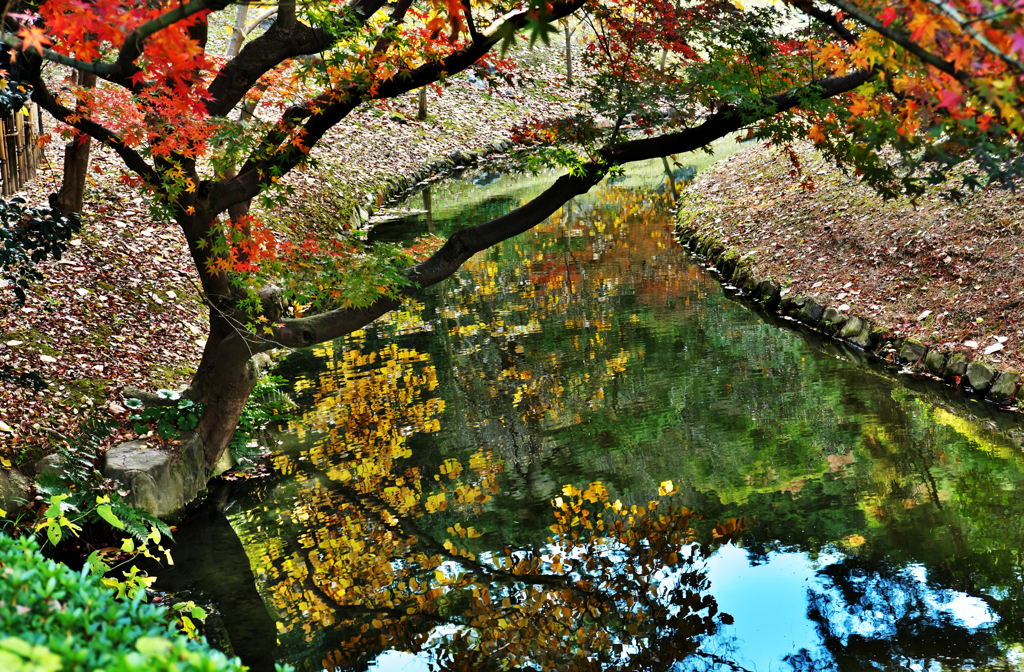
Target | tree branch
(257,172)
(730,119)
(966,26)
(267,51)
(307,331)
(899,38)
(442,264)
(121,71)
(41,95)
(827,18)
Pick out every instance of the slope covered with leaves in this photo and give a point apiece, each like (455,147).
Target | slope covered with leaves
(947,274)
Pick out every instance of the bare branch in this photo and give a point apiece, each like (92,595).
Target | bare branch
(827,18)
(729,120)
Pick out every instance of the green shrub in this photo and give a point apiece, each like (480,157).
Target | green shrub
(29,235)
(182,416)
(47,610)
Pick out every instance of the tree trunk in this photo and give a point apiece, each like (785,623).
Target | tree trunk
(237,31)
(71,196)
(224,383)
(422,113)
(568,56)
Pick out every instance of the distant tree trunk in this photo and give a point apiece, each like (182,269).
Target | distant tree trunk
(237,31)
(568,56)
(422,113)
(671,180)
(71,196)
(429,207)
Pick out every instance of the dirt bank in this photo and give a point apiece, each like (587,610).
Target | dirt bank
(946,275)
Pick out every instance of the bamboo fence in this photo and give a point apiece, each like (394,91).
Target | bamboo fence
(20,152)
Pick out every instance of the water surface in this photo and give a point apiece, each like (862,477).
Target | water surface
(455,480)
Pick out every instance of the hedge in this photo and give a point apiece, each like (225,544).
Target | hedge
(54,619)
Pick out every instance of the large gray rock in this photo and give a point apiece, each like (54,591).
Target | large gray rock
(811,313)
(769,293)
(853,326)
(935,361)
(834,320)
(14,487)
(858,332)
(160,482)
(1005,387)
(980,376)
(912,352)
(50,464)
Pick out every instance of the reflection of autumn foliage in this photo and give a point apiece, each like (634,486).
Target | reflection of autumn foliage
(377,554)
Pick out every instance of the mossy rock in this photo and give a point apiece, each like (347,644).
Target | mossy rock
(811,313)
(955,368)
(935,362)
(912,352)
(1005,387)
(981,376)
(833,320)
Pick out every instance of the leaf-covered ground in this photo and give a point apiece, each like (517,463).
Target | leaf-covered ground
(946,274)
(121,308)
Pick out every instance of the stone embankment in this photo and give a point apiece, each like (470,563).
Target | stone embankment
(1000,387)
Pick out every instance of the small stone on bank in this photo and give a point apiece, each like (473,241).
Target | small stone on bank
(993,348)
(923,316)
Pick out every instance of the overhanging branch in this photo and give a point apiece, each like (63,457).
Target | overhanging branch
(307,331)
(333,106)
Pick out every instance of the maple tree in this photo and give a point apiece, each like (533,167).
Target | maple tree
(937,82)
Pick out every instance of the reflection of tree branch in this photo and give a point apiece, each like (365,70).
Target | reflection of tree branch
(354,611)
(718,660)
(378,506)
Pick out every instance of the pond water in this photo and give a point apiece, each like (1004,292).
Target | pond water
(508,473)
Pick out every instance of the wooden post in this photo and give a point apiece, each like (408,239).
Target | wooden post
(5,160)
(19,147)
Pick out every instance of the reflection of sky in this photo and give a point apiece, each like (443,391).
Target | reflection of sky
(770,601)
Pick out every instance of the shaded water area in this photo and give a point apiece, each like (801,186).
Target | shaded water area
(504,474)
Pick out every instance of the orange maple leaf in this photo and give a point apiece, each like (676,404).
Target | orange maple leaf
(33,37)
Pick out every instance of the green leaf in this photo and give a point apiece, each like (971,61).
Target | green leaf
(96,564)
(106,514)
(153,646)
(53,533)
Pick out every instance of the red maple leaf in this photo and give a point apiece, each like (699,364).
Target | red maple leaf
(33,37)
(887,16)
